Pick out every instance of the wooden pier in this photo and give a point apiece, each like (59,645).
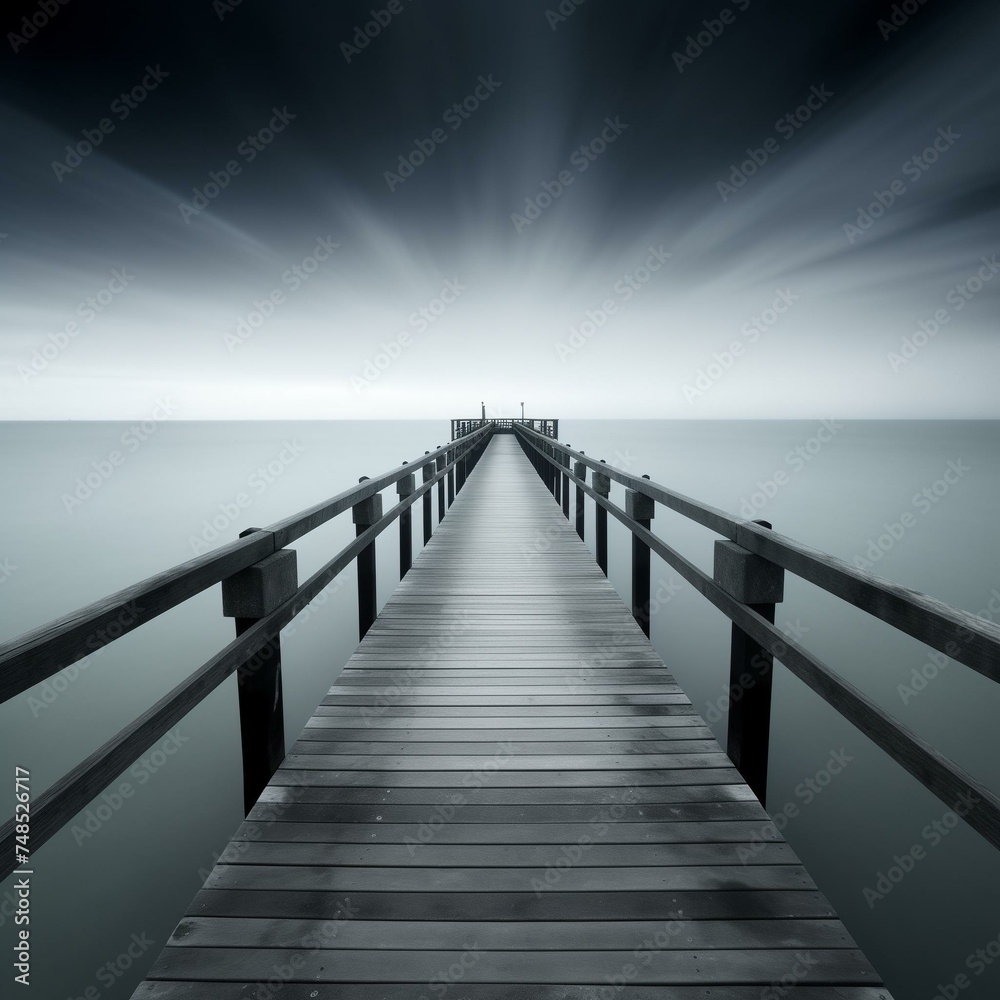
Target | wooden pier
(506,786)
(505,794)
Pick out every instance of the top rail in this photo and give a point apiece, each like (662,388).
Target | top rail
(59,803)
(959,634)
(35,655)
(753,627)
(547,426)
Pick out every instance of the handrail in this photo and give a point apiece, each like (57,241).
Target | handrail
(64,799)
(67,796)
(940,775)
(465,425)
(36,655)
(959,634)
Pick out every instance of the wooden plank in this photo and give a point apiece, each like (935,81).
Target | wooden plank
(389,720)
(456,832)
(595,935)
(388,812)
(750,904)
(499,854)
(730,791)
(759,966)
(369,712)
(509,779)
(318,745)
(581,879)
(326,730)
(502,759)
(218,990)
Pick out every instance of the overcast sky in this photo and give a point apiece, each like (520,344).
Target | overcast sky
(642,209)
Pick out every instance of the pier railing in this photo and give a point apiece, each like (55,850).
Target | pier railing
(260,591)
(503,425)
(746,583)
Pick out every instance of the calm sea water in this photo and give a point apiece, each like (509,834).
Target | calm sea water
(915,501)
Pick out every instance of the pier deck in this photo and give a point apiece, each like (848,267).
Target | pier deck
(506,794)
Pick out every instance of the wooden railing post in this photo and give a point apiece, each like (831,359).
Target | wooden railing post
(602,486)
(451,477)
(365,514)
(248,596)
(641,509)
(564,459)
(441,462)
(405,488)
(556,477)
(580,471)
(428,498)
(759,584)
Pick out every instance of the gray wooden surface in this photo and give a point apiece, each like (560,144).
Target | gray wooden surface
(506,795)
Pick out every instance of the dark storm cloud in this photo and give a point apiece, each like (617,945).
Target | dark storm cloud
(744,137)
